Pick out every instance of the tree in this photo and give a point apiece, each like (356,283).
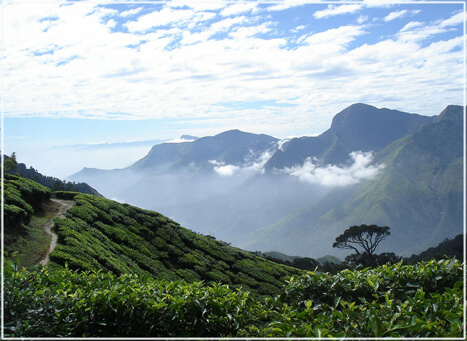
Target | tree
(365,237)
(10,164)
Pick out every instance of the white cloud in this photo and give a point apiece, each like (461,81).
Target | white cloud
(395,15)
(253,164)
(64,60)
(335,176)
(337,10)
(197,5)
(456,19)
(417,31)
(227,170)
(180,140)
(166,16)
(237,9)
(131,12)
(361,19)
(286,4)
(411,25)
(400,14)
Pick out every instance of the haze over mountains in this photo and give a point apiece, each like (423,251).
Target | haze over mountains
(372,166)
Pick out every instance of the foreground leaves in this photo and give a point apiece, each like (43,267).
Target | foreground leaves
(424,300)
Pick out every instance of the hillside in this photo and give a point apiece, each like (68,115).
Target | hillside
(360,127)
(52,183)
(24,216)
(418,193)
(453,248)
(145,276)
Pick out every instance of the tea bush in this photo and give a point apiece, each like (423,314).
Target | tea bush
(101,234)
(383,302)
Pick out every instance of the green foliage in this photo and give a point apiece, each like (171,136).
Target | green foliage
(423,300)
(10,165)
(66,303)
(100,234)
(64,195)
(447,248)
(402,301)
(367,237)
(14,168)
(22,197)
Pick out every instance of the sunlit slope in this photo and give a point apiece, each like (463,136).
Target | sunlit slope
(418,194)
(101,234)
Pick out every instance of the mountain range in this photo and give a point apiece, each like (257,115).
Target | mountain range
(372,166)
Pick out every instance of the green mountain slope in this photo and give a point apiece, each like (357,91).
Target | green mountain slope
(418,194)
(101,234)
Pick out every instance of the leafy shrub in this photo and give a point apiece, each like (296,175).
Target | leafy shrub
(50,302)
(64,195)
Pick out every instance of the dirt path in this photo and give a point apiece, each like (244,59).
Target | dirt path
(63,206)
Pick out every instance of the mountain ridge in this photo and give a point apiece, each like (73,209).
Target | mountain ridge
(227,184)
(403,195)
(360,127)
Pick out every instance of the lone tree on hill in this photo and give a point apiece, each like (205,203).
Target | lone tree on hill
(10,165)
(367,237)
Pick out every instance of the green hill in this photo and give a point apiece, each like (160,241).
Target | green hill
(453,248)
(101,234)
(146,276)
(418,195)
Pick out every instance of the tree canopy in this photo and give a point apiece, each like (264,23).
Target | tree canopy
(363,239)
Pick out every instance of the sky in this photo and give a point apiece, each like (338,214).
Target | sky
(90,72)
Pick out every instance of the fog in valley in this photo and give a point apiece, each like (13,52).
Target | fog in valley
(228,200)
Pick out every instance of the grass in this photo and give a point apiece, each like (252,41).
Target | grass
(30,246)
(31,242)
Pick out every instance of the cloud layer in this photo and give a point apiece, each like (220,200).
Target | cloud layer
(335,176)
(178,60)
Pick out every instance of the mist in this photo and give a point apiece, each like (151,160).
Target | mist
(337,176)
(229,201)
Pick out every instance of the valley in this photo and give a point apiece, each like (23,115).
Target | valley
(114,269)
(119,270)
(294,196)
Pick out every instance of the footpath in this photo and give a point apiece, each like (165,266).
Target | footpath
(63,206)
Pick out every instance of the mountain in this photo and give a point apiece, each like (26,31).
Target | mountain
(179,173)
(235,183)
(232,147)
(360,127)
(418,195)
(265,198)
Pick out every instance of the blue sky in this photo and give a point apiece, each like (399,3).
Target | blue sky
(93,72)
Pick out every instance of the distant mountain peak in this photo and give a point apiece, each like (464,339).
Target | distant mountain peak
(189,137)
(232,132)
(452,113)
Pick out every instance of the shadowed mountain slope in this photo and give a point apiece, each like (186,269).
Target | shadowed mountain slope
(360,127)
(418,194)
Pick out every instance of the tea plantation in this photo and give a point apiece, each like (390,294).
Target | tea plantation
(425,300)
(123,271)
